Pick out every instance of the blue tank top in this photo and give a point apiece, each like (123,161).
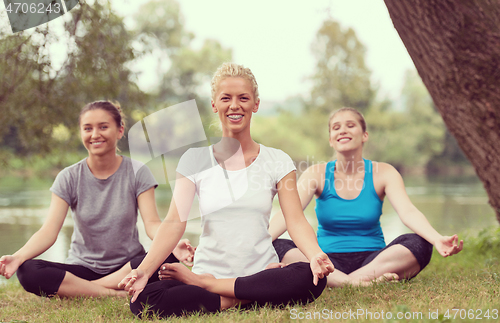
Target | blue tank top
(349,225)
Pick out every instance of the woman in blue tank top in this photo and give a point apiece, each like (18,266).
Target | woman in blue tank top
(349,195)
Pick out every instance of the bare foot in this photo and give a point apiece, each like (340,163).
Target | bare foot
(388,277)
(111,292)
(120,293)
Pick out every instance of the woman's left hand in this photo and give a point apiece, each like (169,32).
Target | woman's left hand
(321,266)
(447,246)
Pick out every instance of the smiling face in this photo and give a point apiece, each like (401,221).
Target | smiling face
(346,132)
(99,132)
(234,102)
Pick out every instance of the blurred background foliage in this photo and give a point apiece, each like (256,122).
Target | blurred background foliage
(408,133)
(40,98)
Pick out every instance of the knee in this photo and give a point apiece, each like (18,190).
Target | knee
(137,307)
(154,300)
(40,277)
(307,282)
(426,253)
(172,298)
(420,248)
(422,245)
(319,288)
(145,307)
(315,291)
(414,238)
(28,273)
(30,276)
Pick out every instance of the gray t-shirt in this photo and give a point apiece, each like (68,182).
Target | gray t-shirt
(104,212)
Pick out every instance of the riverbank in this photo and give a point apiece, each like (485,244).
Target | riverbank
(463,287)
(35,167)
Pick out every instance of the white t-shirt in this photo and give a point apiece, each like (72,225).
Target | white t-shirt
(235,207)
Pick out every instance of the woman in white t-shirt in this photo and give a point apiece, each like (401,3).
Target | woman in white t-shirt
(235,180)
(104,191)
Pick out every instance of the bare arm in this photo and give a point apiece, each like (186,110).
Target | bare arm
(306,187)
(300,230)
(149,212)
(168,235)
(184,252)
(42,240)
(412,217)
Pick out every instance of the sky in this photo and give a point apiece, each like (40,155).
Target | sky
(273,38)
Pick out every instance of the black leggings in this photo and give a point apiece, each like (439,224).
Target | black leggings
(43,278)
(277,286)
(348,262)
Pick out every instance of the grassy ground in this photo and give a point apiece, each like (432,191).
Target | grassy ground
(461,288)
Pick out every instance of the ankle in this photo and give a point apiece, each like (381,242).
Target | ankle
(226,302)
(205,281)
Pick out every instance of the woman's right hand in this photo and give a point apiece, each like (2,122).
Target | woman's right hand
(321,266)
(134,283)
(9,265)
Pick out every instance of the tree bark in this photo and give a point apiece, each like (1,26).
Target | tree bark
(455,45)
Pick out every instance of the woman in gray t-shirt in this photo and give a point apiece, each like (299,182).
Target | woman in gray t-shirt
(104,192)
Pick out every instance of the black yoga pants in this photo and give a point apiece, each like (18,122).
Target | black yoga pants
(43,278)
(277,286)
(350,261)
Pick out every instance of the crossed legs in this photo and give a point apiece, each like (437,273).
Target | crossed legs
(223,287)
(74,286)
(45,278)
(397,261)
(186,292)
(382,268)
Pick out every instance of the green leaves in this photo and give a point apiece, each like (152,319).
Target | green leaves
(36,95)
(48,74)
(341,78)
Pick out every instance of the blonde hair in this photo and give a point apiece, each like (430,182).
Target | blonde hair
(234,70)
(360,116)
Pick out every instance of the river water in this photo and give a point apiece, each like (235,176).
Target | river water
(452,205)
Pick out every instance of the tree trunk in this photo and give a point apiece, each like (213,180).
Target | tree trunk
(455,45)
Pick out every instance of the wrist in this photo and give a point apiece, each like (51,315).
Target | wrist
(315,254)
(19,257)
(435,238)
(147,271)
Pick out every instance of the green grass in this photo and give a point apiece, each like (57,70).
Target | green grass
(468,281)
